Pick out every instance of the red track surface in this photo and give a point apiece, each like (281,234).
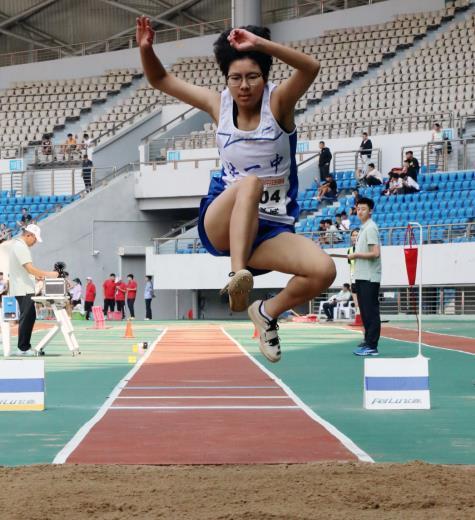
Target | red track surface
(168,420)
(428,338)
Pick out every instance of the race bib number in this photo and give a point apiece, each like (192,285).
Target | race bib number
(274,197)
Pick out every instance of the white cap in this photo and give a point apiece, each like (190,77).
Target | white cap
(34,230)
(88,278)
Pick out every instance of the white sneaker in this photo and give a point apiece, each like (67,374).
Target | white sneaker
(238,288)
(24,353)
(269,343)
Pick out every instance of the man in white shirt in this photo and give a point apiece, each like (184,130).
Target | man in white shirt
(343,296)
(409,185)
(22,282)
(372,177)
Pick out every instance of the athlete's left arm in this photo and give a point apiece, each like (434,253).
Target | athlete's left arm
(285,96)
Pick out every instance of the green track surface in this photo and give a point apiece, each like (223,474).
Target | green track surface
(441,326)
(318,365)
(76,387)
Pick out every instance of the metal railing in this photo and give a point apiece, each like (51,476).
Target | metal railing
(450,300)
(310,8)
(391,236)
(450,154)
(119,43)
(352,159)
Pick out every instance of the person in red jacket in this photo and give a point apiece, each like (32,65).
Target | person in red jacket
(89,297)
(120,292)
(109,294)
(131,294)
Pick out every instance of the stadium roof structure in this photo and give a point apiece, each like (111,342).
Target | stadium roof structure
(40,24)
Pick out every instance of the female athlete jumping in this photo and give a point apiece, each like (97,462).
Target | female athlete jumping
(251,208)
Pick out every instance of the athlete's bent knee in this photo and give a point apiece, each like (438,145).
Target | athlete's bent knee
(252,184)
(323,274)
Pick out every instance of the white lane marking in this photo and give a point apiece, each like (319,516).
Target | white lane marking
(455,336)
(62,455)
(204,408)
(346,441)
(204,397)
(414,342)
(201,387)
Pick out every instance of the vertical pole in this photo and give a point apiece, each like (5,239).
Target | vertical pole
(420,284)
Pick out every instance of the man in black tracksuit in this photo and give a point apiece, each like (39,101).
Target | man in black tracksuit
(324,161)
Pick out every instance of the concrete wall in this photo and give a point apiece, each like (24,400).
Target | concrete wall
(87,236)
(442,264)
(299,28)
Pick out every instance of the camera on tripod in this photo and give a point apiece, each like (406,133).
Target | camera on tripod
(56,287)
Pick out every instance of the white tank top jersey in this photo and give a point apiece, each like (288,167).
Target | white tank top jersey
(268,152)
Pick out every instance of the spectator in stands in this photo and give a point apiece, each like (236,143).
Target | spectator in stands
(338,222)
(109,294)
(409,185)
(46,145)
(356,197)
(89,297)
(413,169)
(5,233)
(393,185)
(85,145)
(26,218)
(368,277)
(120,293)
(345,221)
(76,292)
(22,282)
(372,177)
(344,296)
(366,148)
(69,145)
(148,294)
(324,161)
(58,207)
(437,143)
(86,173)
(131,295)
(331,235)
(328,190)
(233,220)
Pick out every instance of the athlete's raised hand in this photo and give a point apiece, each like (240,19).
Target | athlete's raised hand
(144,32)
(243,40)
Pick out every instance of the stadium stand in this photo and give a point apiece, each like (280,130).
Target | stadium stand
(436,80)
(30,109)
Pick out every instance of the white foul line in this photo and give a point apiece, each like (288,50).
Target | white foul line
(204,407)
(204,397)
(62,455)
(346,441)
(201,387)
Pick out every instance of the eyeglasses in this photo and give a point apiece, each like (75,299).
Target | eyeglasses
(252,79)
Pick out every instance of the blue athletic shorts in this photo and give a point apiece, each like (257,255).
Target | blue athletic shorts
(267,229)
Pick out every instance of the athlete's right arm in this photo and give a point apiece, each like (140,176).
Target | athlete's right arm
(199,97)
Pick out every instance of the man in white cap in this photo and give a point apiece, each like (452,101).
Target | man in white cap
(22,282)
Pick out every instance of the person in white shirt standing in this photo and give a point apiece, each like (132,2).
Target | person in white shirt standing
(22,282)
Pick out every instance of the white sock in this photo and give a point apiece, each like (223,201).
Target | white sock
(262,310)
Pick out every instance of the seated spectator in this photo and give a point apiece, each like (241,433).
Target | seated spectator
(46,145)
(409,185)
(393,185)
(345,221)
(372,177)
(331,235)
(57,207)
(413,169)
(26,218)
(69,145)
(5,233)
(328,189)
(343,296)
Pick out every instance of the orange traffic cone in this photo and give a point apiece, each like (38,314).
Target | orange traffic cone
(129,333)
(357,322)
(255,335)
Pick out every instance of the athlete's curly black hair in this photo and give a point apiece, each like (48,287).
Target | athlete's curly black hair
(225,54)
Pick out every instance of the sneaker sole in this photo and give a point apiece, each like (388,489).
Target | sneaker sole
(239,288)
(252,310)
